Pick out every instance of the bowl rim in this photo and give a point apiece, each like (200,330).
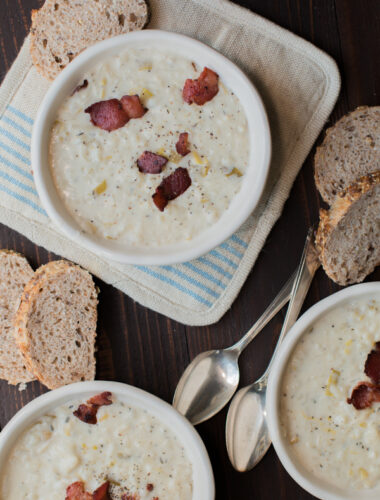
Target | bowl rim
(204,243)
(203,479)
(275,380)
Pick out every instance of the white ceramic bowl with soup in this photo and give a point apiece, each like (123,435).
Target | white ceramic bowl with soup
(328,446)
(88,180)
(141,444)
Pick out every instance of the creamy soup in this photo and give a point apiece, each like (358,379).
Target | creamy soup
(331,438)
(95,171)
(132,449)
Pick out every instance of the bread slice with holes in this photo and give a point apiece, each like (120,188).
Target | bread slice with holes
(62,29)
(15,272)
(55,325)
(350,150)
(348,236)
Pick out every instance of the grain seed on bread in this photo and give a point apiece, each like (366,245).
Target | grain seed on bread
(348,236)
(350,150)
(62,29)
(56,324)
(15,272)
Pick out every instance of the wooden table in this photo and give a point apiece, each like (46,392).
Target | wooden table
(148,350)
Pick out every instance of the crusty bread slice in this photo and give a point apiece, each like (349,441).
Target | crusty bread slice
(350,150)
(56,324)
(348,236)
(15,272)
(62,29)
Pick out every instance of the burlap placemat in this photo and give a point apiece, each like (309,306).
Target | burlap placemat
(299,85)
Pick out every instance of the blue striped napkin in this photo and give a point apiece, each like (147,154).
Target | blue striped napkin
(299,84)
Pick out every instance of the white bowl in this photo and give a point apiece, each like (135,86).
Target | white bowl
(203,481)
(241,206)
(310,483)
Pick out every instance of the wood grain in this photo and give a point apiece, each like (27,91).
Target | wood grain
(148,350)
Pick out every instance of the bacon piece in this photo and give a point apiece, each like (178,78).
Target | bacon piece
(182,145)
(372,364)
(101,493)
(363,395)
(103,399)
(108,115)
(159,199)
(133,106)
(201,90)
(86,413)
(83,85)
(150,487)
(76,491)
(126,496)
(171,187)
(151,163)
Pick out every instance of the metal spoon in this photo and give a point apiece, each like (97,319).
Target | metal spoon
(211,379)
(247,436)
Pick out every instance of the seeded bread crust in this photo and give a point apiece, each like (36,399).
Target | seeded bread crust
(62,29)
(350,150)
(15,272)
(348,242)
(55,325)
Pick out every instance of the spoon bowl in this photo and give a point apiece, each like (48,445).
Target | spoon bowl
(250,441)
(207,384)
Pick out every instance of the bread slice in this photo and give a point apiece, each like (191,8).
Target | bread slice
(62,29)
(350,150)
(348,236)
(15,272)
(56,324)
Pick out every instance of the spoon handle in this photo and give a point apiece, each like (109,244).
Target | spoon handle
(274,307)
(308,266)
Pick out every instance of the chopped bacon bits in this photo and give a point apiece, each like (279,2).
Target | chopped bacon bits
(372,364)
(171,187)
(363,395)
(108,115)
(203,89)
(114,113)
(126,496)
(76,491)
(182,145)
(101,493)
(151,163)
(159,199)
(103,399)
(80,87)
(133,106)
(87,412)
(149,487)
(366,393)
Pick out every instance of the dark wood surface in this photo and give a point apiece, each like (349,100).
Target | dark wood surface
(146,349)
